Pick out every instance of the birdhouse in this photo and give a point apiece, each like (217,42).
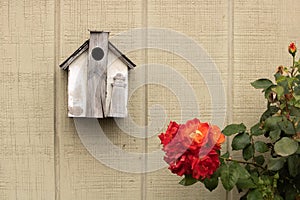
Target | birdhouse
(97,79)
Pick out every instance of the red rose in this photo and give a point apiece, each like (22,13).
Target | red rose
(204,167)
(192,148)
(170,133)
(292,49)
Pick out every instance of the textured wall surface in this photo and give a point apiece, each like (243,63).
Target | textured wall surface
(27,100)
(42,156)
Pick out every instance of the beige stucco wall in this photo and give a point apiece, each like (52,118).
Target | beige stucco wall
(42,156)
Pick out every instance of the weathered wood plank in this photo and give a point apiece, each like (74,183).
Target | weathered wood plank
(77,86)
(97,74)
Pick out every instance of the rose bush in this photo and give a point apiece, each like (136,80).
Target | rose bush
(270,149)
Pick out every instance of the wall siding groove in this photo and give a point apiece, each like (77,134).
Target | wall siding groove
(229,95)
(57,35)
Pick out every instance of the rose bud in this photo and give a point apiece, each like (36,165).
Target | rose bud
(292,49)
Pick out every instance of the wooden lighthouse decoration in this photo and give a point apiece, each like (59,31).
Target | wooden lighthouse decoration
(97,79)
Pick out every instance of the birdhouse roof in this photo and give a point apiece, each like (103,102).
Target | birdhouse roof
(85,46)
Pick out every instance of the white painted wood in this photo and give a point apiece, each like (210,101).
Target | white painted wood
(114,66)
(117,106)
(77,86)
(80,97)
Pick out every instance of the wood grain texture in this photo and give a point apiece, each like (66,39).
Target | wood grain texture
(97,75)
(77,86)
(26,100)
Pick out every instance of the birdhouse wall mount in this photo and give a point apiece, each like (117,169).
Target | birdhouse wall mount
(97,79)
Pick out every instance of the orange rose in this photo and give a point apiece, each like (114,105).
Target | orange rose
(218,137)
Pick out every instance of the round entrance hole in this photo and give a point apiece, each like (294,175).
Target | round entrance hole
(97,53)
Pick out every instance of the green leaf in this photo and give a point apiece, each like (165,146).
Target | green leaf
(297,89)
(223,157)
(286,146)
(291,81)
(240,141)
(229,176)
(256,130)
(269,112)
(297,104)
(211,183)
(281,78)
(248,152)
(261,147)
(271,123)
(233,129)
(287,127)
(275,135)
(259,159)
(188,180)
(284,82)
(246,183)
(294,165)
(270,95)
(255,195)
(262,83)
(266,180)
(295,109)
(254,177)
(243,173)
(247,167)
(279,90)
(276,164)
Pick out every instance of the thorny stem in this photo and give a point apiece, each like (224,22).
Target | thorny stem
(244,162)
